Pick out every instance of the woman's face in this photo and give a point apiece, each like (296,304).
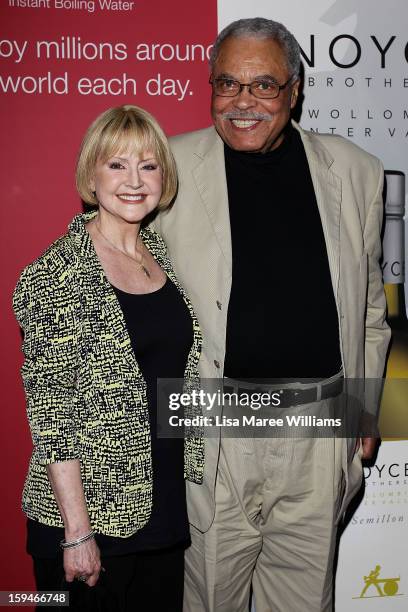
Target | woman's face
(128,185)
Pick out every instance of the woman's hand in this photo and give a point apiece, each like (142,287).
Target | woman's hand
(83,560)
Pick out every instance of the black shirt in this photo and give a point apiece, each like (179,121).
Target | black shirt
(282,316)
(161,333)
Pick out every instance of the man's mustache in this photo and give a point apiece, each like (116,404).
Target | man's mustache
(249,116)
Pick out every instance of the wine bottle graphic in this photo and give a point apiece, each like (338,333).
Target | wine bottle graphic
(394,405)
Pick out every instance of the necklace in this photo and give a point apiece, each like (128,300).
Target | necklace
(139,263)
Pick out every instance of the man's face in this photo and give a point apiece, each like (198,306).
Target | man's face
(246,60)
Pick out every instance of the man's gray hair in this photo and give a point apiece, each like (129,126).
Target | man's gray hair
(258,27)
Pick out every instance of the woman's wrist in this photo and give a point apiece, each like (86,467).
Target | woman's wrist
(77,530)
(65,544)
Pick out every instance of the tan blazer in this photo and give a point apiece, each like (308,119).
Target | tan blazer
(348,185)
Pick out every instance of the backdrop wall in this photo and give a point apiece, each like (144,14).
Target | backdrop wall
(61,64)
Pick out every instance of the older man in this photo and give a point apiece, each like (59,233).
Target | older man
(276,236)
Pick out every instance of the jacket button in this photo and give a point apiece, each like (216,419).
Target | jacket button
(219,305)
(217,364)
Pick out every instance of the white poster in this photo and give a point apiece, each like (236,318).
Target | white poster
(355,59)
(355,56)
(373,567)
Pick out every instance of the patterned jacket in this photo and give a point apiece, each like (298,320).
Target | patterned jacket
(86,397)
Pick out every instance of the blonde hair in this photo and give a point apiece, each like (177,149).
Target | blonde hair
(124,128)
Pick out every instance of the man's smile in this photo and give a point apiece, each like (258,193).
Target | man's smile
(244,124)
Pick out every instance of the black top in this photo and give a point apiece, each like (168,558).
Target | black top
(161,333)
(282,316)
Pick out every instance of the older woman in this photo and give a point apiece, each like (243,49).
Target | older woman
(103,317)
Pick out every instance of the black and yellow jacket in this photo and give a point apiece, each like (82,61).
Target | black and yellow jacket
(86,397)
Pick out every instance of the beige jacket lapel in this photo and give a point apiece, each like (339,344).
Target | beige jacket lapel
(327,188)
(210,179)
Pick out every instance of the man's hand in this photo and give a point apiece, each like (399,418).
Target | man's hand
(369,445)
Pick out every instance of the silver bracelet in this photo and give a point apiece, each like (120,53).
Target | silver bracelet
(77,542)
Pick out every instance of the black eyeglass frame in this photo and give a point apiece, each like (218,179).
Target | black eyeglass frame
(249,85)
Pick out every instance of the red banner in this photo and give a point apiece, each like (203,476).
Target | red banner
(63,62)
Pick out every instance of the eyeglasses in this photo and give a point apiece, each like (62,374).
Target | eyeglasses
(260,88)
